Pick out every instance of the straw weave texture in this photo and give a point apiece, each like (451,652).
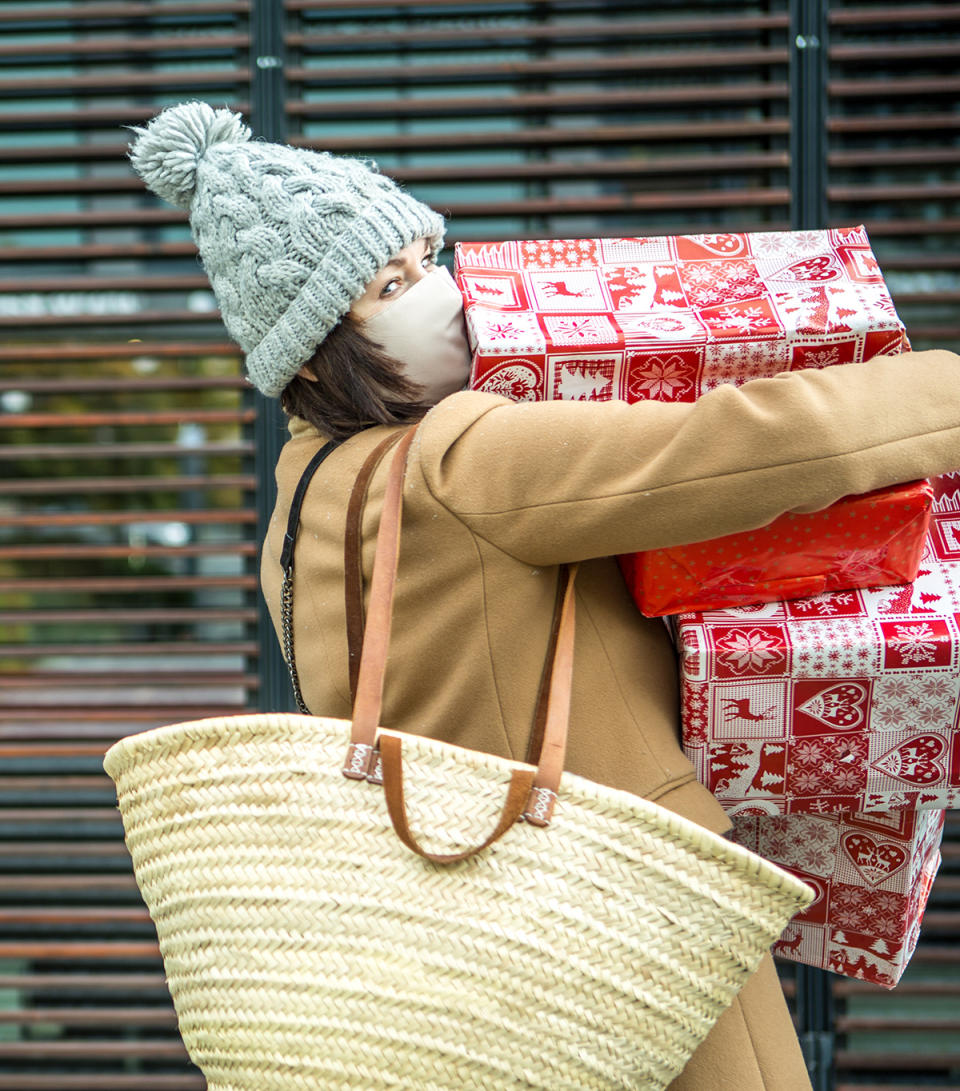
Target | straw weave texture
(306,947)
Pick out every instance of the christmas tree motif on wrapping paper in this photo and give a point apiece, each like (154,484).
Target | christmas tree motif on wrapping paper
(908,598)
(742,770)
(645,288)
(581,383)
(819,309)
(848,959)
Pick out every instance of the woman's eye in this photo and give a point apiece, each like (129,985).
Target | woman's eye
(390,287)
(428,261)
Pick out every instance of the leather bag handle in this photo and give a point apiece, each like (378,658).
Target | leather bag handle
(532,792)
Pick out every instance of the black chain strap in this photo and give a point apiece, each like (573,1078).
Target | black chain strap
(286,563)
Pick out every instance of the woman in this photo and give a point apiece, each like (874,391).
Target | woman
(325,275)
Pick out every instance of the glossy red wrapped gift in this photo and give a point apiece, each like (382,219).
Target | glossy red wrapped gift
(861,541)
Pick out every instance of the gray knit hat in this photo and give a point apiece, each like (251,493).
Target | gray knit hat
(289,238)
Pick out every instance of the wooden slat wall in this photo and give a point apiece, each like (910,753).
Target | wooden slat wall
(127,479)
(894,164)
(127,536)
(555,120)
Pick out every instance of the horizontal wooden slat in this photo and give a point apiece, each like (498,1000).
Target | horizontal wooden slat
(721,130)
(472,172)
(893,51)
(129,1017)
(882,87)
(926,1060)
(134,585)
(90,486)
(109,80)
(120,452)
(595,102)
(898,123)
(90,116)
(102,1081)
(58,50)
(67,552)
(328,74)
(42,915)
(85,1050)
(876,15)
(66,351)
(887,1024)
(126,419)
(93,11)
(473,33)
(153,283)
(80,951)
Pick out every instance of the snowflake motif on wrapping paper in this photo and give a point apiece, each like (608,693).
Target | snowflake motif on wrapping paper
(824,605)
(847,778)
(822,358)
(740,361)
(771,243)
(661,379)
(694,713)
(915,645)
(748,651)
(744,320)
(551,253)
(504,331)
(844,917)
(580,328)
(887,902)
(807,752)
(817,859)
(807,782)
(821,648)
(851,898)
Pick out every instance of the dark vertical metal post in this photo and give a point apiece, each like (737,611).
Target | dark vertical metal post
(808,186)
(268,121)
(808,112)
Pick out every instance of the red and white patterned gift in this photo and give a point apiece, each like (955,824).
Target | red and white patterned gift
(872,874)
(873,539)
(844,702)
(668,318)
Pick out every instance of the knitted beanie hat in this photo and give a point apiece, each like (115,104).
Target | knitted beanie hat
(289,238)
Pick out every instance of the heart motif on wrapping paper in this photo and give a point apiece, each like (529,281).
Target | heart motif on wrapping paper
(720,244)
(875,860)
(915,761)
(819,268)
(840,706)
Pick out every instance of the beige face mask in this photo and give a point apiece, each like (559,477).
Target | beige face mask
(424,330)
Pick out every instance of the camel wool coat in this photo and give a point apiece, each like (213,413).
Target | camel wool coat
(499,494)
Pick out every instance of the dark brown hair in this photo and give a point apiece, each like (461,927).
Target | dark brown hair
(357,385)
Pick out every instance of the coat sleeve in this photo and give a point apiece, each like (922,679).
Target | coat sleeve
(553,482)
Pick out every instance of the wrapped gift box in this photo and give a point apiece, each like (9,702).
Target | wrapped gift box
(847,701)
(872,875)
(873,539)
(670,317)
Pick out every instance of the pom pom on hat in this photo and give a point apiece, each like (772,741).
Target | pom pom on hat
(167,152)
(288,237)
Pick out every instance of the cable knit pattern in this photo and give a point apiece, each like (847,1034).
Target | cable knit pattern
(289,238)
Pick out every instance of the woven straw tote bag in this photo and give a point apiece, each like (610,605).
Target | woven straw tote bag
(306,946)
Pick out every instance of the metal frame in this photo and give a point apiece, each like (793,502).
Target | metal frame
(268,120)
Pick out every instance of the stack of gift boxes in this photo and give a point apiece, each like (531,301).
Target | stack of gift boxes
(820,683)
